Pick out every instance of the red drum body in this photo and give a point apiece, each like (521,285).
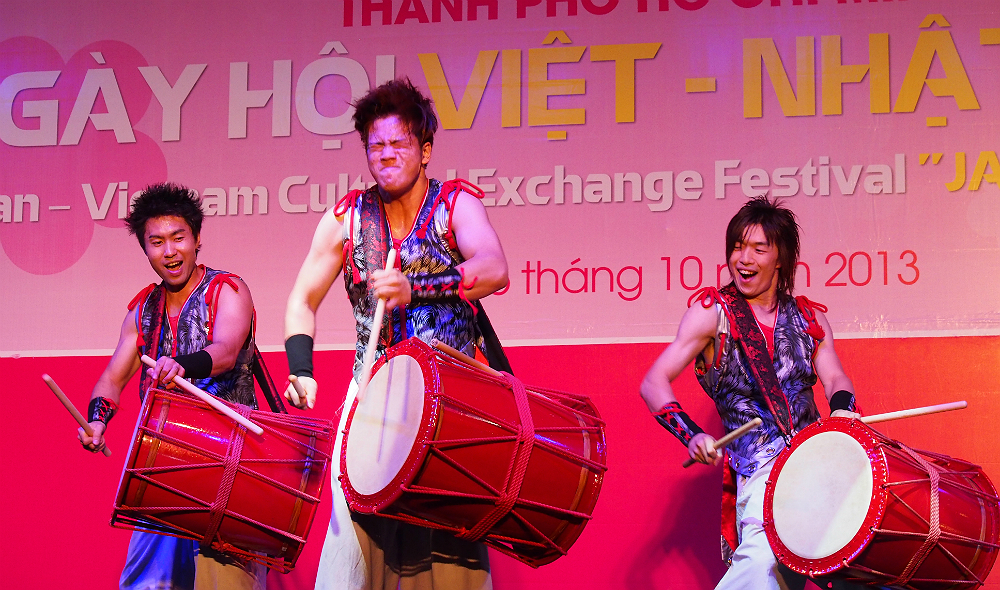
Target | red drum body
(442,444)
(845,502)
(196,474)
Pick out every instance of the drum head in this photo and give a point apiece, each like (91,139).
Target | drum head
(822,495)
(385,425)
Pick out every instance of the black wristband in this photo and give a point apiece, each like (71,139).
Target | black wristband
(299,350)
(437,286)
(197,365)
(678,423)
(101,409)
(842,400)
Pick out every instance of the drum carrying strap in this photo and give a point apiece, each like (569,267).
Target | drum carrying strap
(744,328)
(751,340)
(263,377)
(496,358)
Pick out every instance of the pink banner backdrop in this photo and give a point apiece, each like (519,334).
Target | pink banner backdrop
(613,139)
(613,142)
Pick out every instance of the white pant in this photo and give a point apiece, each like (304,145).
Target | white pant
(754,565)
(343,564)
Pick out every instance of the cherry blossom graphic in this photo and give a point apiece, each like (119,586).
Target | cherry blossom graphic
(60,176)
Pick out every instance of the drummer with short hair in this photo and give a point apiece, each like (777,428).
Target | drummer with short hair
(198,324)
(758,352)
(449,258)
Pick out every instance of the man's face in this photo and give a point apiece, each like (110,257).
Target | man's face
(395,156)
(754,264)
(171,247)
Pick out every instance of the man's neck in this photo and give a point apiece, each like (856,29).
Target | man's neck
(175,299)
(402,210)
(765,306)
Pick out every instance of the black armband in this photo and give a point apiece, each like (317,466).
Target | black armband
(101,409)
(425,288)
(678,423)
(299,350)
(197,365)
(842,400)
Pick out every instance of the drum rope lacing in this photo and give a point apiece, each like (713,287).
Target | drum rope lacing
(519,463)
(231,465)
(934,527)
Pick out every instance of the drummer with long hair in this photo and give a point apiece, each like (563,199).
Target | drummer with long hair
(758,351)
(198,324)
(449,258)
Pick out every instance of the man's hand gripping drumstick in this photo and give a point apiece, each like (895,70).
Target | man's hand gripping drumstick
(705,456)
(87,429)
(209,399)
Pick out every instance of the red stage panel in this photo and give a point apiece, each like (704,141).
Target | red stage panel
(654,525)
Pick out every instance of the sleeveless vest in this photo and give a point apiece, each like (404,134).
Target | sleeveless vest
(428,248)
(730,382)
(195,326)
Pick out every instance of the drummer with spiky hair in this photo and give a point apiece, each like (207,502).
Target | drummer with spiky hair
(449,258)
(198,324)
(758,351)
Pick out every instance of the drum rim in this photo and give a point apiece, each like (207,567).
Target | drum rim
(372,503)
(876,508)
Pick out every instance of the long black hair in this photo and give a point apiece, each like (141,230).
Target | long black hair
(780,229)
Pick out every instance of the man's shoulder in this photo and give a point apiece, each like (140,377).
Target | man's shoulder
(215,279)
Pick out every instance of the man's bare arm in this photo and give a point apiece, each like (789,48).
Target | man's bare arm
(322,265)
(696,330)
(233,322)
(123,364)
(828,368)
(479,244)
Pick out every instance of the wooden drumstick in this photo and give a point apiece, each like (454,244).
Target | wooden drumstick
(72,410)
(724,441)
(914,412)
(462,357)
(209,399)
(366,368)
(299,390)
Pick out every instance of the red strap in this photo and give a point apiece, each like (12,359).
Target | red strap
(730,528)
(141,296)
(808,310)
(140,342)
(708,297)
(145,383)
(343,206)
(751,340)
(448,194)
(345,202)
(462,287)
